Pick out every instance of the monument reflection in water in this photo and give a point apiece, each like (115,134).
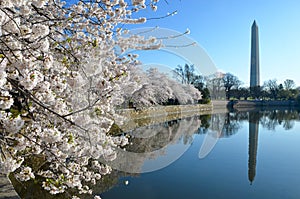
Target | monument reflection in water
(191,177)
(253,143)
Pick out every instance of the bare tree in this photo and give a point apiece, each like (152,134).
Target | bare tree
(230,81)
(185,74)
(215,85)
(289,84)
(272,88)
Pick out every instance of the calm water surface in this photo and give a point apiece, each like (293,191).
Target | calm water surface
(256,156)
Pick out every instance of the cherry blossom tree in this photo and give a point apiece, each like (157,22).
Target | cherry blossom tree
(157,88)
(61,74)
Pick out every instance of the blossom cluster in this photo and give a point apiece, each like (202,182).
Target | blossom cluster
(156,88)
(61,75)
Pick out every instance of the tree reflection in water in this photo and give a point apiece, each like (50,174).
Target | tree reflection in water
(268,118)
(157,137)
(150,142)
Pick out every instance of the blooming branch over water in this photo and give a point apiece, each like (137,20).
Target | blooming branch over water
(60,78)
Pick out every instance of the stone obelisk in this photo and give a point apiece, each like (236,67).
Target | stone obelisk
(254,71)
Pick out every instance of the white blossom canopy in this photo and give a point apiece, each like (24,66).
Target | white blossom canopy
(60,77)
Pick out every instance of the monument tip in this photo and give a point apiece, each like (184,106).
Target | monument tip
(254,23)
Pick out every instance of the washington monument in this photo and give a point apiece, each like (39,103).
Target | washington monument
(254,71)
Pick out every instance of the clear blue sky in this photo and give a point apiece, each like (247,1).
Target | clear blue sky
(222,28)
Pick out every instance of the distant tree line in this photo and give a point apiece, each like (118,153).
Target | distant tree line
(221,86)
(270,90)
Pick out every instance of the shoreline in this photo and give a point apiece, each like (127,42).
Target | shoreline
(261,103)
(158,114)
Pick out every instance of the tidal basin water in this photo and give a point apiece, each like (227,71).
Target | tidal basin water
(256,155)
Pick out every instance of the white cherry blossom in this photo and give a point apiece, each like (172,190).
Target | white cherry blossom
(61,77)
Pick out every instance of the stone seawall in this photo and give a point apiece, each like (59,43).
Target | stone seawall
(159,114)
(262,103)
